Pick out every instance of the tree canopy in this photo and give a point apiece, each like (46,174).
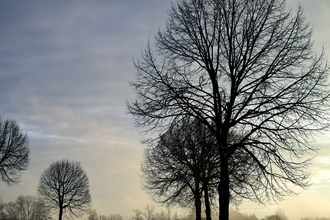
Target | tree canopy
(14,151)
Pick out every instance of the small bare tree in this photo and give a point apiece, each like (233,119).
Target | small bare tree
(149,212)
(14,151)
(182,166)
(64,186)
(137,215)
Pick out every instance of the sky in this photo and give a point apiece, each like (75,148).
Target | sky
(65,68)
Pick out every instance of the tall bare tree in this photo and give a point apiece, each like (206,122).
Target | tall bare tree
(243,67)
(14,151)
(64,186)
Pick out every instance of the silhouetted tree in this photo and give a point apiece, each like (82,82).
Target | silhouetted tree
(243,67)
(182,166)
(64,186)
(14,151)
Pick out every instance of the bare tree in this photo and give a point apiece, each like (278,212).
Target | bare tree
(41,211)
(239,67)
(25,207)
(137,215)
(182,167)
(149,212)
(64,186)
(30,208)
(11,211)
(14,151)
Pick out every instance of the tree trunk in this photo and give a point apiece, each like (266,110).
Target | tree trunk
(223,191)
(207,202)
(198,205)
(60,214)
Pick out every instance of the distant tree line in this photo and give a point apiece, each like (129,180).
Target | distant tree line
(94,216)
(317,218)
(150,213)
(279,215)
